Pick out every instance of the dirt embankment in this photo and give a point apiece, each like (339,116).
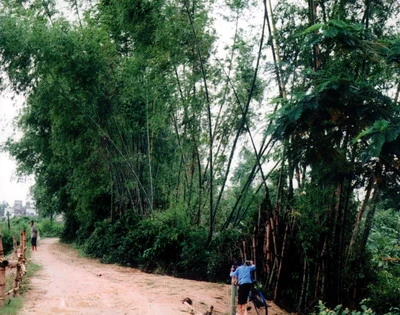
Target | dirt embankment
(70,284)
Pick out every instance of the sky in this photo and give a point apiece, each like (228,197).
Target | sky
(11,186)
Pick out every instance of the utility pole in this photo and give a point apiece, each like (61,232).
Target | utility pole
(8,220)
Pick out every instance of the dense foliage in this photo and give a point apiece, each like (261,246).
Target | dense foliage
(384,244)
(364,310)
(11,228)
(165,151)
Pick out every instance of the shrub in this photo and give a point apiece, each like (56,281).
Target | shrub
(50,228)
(223,254)
(385,293)
(384,244)
(338,310)
(159,241)
(113,242)
(164,243)
(194,256)
(17,224)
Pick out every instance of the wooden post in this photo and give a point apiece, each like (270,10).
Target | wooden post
(15,246)
(2,274)
(23,242)
(23,251)
(17,279)
(233,296)
(8,220)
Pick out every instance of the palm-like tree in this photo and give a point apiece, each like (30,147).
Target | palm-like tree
(336,93)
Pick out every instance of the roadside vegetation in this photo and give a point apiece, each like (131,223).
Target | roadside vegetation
(12,228)
(9,229)
(171,146)
(13,305)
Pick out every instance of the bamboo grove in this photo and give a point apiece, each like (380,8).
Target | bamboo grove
(165,147)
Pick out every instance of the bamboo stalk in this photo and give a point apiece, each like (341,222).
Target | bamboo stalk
(303,284)
(254,254)
(357,224)
(281,259)
(267,251)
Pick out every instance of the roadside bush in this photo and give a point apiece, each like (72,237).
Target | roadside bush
(164,243)
(126,250)
(17,224)
(7,237)
(339,310)
(159,241)
(384,244)
(71,228)
(50,228)
(112,242)
(223,254)
(194,256)
(385,293)
(20,223)
(100,242)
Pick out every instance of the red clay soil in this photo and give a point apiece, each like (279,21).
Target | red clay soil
(70,284)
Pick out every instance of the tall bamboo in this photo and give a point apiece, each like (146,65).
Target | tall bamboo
(209,121)
(281,261)
(304,281)
(396,98)
(357,224)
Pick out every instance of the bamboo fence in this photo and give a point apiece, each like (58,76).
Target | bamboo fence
(16,262)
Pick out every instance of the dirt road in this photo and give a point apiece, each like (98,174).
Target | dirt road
(70,284)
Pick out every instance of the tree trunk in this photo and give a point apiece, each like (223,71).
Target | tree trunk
(355,235)
(369,219)
(275,50)
(396,97)
(312,7)
(321,271)
(149,155)
(210,127)
(303,284)
(281,260)
(267,261)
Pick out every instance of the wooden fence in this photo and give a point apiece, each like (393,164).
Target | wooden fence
(16,262)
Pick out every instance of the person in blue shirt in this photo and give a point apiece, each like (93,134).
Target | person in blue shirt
(245,282)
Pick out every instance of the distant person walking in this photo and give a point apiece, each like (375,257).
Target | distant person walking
(34,233)
(245,282)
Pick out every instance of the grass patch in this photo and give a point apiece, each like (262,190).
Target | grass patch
(13,305)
